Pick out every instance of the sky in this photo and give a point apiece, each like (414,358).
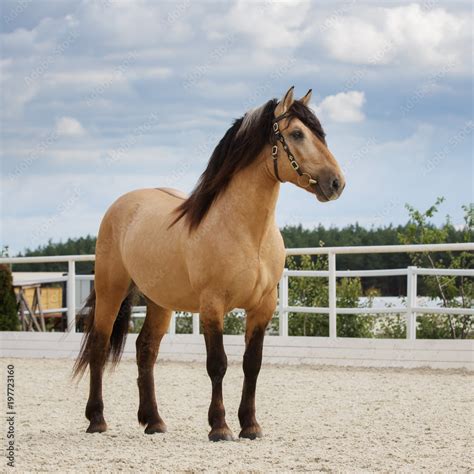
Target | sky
(102,97)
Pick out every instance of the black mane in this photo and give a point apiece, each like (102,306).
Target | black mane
(236,150)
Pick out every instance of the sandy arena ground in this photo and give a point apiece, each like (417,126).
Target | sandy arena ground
(319,419)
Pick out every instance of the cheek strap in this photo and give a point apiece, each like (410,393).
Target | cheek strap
(304,179)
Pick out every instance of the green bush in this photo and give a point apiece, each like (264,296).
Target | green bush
(349,290)
(313,292)
(8,306)
(234,323)
(392,326)
(184,323)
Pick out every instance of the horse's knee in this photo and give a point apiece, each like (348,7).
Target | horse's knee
(253,353)
(213,326)
(147,346)
(217,365)
(140,347)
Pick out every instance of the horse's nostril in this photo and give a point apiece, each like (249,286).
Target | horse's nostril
(335,184)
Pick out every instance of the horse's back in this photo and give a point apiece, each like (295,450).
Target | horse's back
(130,206)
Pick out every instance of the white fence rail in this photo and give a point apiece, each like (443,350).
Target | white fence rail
(410,310)
(461,352)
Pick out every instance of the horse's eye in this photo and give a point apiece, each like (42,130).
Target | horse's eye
(297,134)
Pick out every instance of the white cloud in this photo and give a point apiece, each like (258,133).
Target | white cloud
(115,23)
(407,34)
(342,107)
(269,24)
(69,127)
(104,84)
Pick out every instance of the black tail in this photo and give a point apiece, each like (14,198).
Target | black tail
(117,338)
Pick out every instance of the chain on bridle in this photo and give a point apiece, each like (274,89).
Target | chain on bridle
(304,179)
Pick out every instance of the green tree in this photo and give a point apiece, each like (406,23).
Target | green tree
(456,292)
(79,246)
(8,307)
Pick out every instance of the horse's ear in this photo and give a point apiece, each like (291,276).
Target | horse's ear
(306,98)
(285,103)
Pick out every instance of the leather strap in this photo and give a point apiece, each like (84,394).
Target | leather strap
(307,179)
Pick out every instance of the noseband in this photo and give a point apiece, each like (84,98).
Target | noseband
(304,179)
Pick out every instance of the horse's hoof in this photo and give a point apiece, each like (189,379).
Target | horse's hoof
(155,428)
(252,432)
(221,434)
(99,427)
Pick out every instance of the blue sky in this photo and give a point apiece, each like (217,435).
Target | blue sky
(102,97)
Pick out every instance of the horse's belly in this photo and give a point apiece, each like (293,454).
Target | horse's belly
(161,277)
(165,285)
(152,256)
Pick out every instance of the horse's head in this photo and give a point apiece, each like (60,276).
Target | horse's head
(300,153)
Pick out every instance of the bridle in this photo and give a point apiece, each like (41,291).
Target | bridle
(304,179)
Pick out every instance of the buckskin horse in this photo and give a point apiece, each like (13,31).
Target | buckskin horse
(208,253)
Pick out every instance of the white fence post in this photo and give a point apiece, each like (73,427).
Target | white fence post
(196,324)
(283,303)
(412,290)
(332,295)
(172,328)
(71,296)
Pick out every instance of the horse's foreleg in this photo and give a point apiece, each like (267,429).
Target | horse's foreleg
(257,321)
(213,326)
(148,344)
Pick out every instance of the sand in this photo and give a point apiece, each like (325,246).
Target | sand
(319,419)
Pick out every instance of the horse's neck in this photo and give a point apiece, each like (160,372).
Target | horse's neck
(248,204)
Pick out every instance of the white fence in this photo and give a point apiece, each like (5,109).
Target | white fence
(282,348)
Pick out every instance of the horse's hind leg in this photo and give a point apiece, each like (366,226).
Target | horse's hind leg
(112,287)
(148,344)
(257,321)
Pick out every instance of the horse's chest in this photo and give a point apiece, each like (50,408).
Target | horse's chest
(252,283)
(239,269)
